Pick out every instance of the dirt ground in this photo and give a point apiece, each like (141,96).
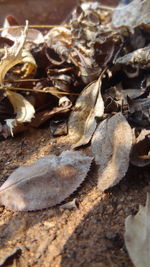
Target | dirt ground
(88,236)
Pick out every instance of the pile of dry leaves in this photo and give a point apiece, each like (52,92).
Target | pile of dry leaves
(92,77)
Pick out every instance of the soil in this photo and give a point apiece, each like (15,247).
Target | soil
(91,235)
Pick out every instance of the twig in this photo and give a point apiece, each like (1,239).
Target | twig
(34,26)
(108,8)
(48,90)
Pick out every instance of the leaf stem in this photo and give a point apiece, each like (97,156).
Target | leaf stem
(49,90)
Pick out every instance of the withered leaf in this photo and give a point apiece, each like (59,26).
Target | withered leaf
(59,39)
(111,145)
(46,182)
(89,105)
(16,54)
(33,35)
(139,58)
(140,154)
(23,108)
(137,235)
(139,109)
(131,15)
(40,117)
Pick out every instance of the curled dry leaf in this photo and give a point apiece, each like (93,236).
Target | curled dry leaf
(111,145)
(46,182)
(59,39)
(89,105)
(137,236)
(16,54)
(140,154)
(22,107)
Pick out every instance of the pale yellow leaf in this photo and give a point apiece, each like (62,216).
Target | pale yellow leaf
(22,107)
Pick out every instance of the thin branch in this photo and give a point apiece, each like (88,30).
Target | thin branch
(34,26)
(48,90)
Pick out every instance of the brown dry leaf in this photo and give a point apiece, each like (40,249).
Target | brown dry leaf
(40,117)
(111,145)
(22,107)
(46,182)
(16,54)
(137,236)
(89,105)
(140,154)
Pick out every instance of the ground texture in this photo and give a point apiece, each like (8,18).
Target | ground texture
(88,236)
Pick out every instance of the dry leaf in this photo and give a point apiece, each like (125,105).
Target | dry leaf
(59,39)
(139,58)
(46,182)
(139,110)
(40,117)
(22,107)
(111,145)
(137,236)
(89,105)
(33,36)
(131,15)
(16,54)
(140,154)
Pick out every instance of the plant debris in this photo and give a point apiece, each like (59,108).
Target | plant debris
(111,145)
(82,123)
(89,78)
(45,183)
(137,235)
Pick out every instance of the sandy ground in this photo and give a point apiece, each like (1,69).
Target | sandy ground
(90,235)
